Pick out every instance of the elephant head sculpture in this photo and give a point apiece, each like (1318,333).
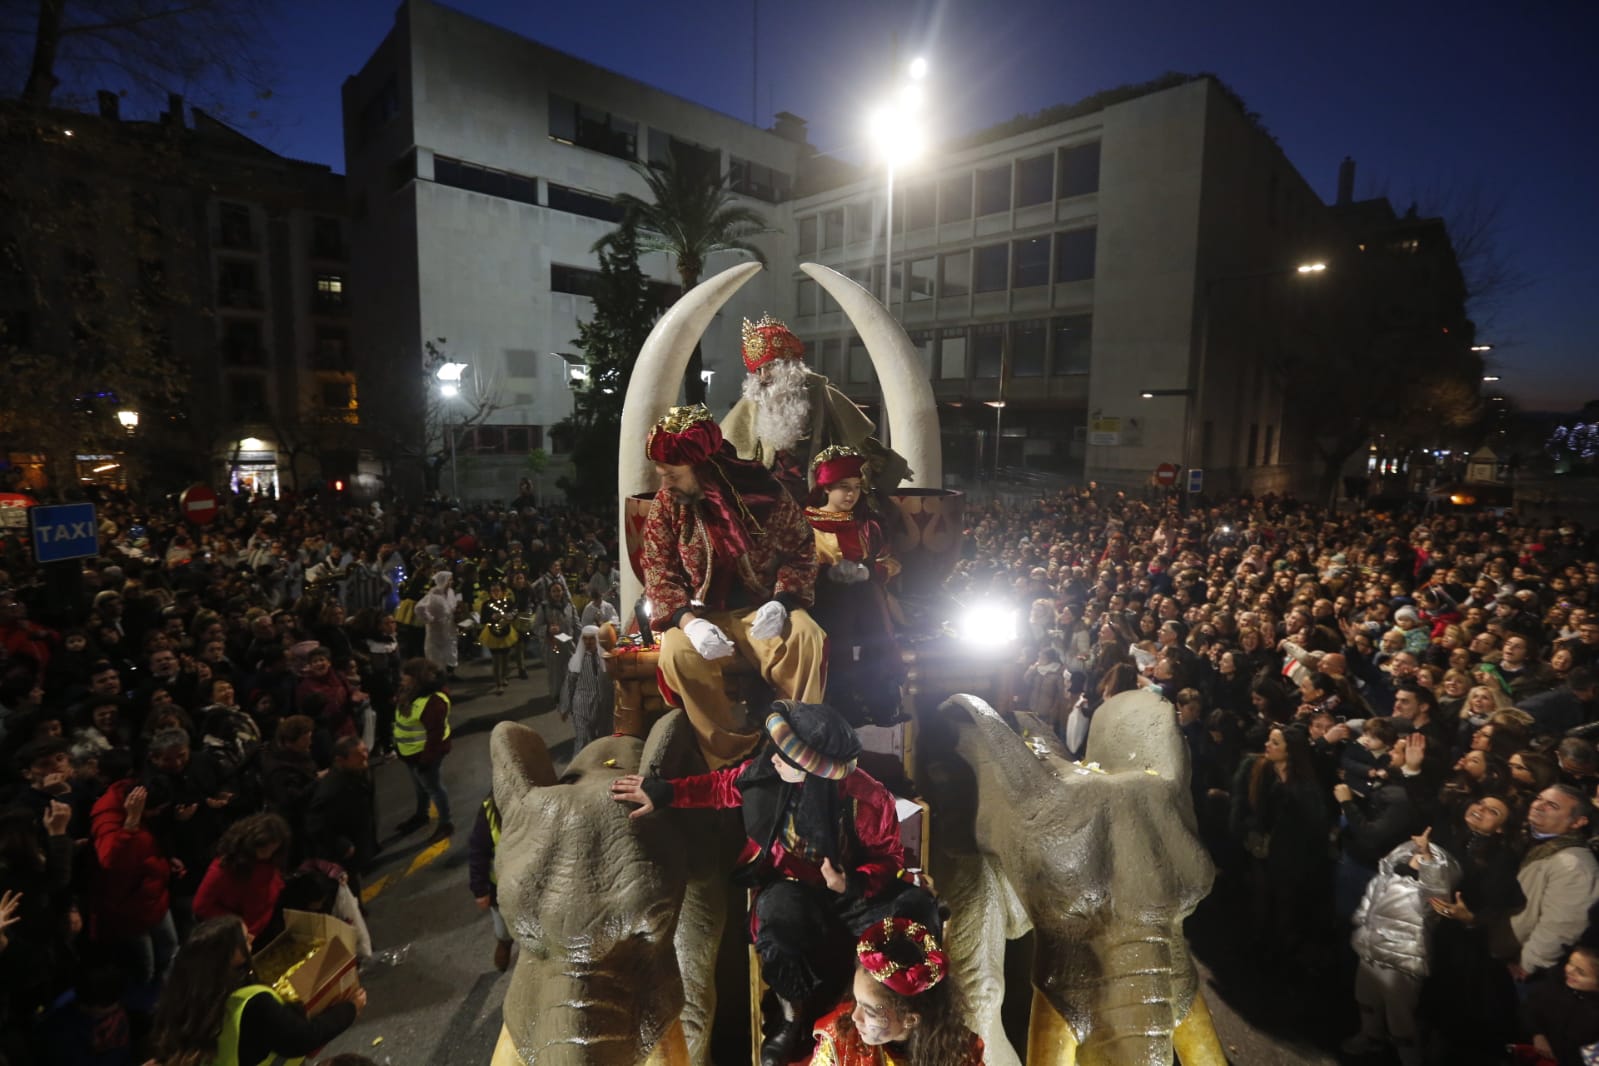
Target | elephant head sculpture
(1102,862)
(618,919)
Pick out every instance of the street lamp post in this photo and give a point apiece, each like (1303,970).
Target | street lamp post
(449,375)
(999,416)
(896,136)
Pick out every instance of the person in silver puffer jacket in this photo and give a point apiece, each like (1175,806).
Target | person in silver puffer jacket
(1393,938)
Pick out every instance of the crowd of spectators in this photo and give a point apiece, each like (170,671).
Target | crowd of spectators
(1391,722)
(188,726)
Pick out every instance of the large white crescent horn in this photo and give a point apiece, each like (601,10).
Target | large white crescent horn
(908,405)
(657,377)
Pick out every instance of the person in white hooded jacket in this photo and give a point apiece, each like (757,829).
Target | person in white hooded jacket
(436,612)
(1393,938)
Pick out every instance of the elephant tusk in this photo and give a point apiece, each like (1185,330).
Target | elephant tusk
(1195,1039)
(657,376)
(672,1049)
(1050,1040)
(908,405)
(505,1053)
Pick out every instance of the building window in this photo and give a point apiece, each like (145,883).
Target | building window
(574,280)
(689,158)
(332,350)
(1074,254)
(952,355)
(828,357)
(924,275)
(338,395)
(578,202)
(327,238)
(1078,173)
(1027,344)
(955,199)
(989,270)
(329,292)
(807,235)
(956,277)
(833,229)
(1073,343)
(241,342)
(587,127)
(993,190)
(862,221)
(237,285)
(921,206)
(805,296)
(924,340)
(758,181)
(988,350)
(246,397)
(459,174)
(233,227)
(1030,262)
(1035,180)
(860,364)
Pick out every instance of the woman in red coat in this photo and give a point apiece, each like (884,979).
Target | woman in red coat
(129,897)
(246,877)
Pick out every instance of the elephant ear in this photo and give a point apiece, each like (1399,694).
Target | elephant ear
(1137,731)
(521,763)
(671,749)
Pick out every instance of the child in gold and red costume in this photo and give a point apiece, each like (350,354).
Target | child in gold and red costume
(905,1009)
(865,669)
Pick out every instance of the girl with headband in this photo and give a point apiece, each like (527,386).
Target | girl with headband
(905,1011)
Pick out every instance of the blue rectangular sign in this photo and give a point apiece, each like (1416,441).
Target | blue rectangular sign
(64,531)
(1196,481)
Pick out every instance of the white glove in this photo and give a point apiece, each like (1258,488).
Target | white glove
(848,572)
(708,640)
(768,621)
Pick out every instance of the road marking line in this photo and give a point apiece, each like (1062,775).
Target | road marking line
(370,892)
(427,857)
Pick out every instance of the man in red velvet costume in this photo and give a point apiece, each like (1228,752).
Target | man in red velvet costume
(729,568)
(822,853)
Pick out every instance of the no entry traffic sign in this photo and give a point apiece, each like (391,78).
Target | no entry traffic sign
(199,504)
(1166,474)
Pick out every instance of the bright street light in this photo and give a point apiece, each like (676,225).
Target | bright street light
(1482,347)
(129,420)
(895,130)
(1490,377)
(918,69)
(1311,268)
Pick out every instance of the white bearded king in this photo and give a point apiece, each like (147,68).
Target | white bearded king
(789,413)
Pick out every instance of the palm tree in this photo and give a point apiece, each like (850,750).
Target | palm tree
(690,214)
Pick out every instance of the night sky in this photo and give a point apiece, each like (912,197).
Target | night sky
(1434,100)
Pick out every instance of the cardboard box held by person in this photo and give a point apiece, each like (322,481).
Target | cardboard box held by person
(312,963)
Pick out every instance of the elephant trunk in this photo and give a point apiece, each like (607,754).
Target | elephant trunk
(1121,1005)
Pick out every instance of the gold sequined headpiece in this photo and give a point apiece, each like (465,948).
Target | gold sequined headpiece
(769,339)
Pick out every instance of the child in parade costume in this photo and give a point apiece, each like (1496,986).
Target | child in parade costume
(498,635)
(822,853)
(905,1009)
(586,691)
(865,669)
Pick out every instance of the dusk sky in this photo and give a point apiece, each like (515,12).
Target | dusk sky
(1430,98)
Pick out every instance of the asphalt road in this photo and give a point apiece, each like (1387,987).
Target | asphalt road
(434,997)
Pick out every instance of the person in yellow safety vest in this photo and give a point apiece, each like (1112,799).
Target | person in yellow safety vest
(422,740)
(214,1011)
(481,879)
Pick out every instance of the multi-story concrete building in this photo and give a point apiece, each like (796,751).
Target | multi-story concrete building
(205,251)
(482,167)
(1054,270)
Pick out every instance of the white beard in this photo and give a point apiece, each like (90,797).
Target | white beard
(782,404)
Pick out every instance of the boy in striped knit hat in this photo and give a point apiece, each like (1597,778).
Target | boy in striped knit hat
(822,853)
